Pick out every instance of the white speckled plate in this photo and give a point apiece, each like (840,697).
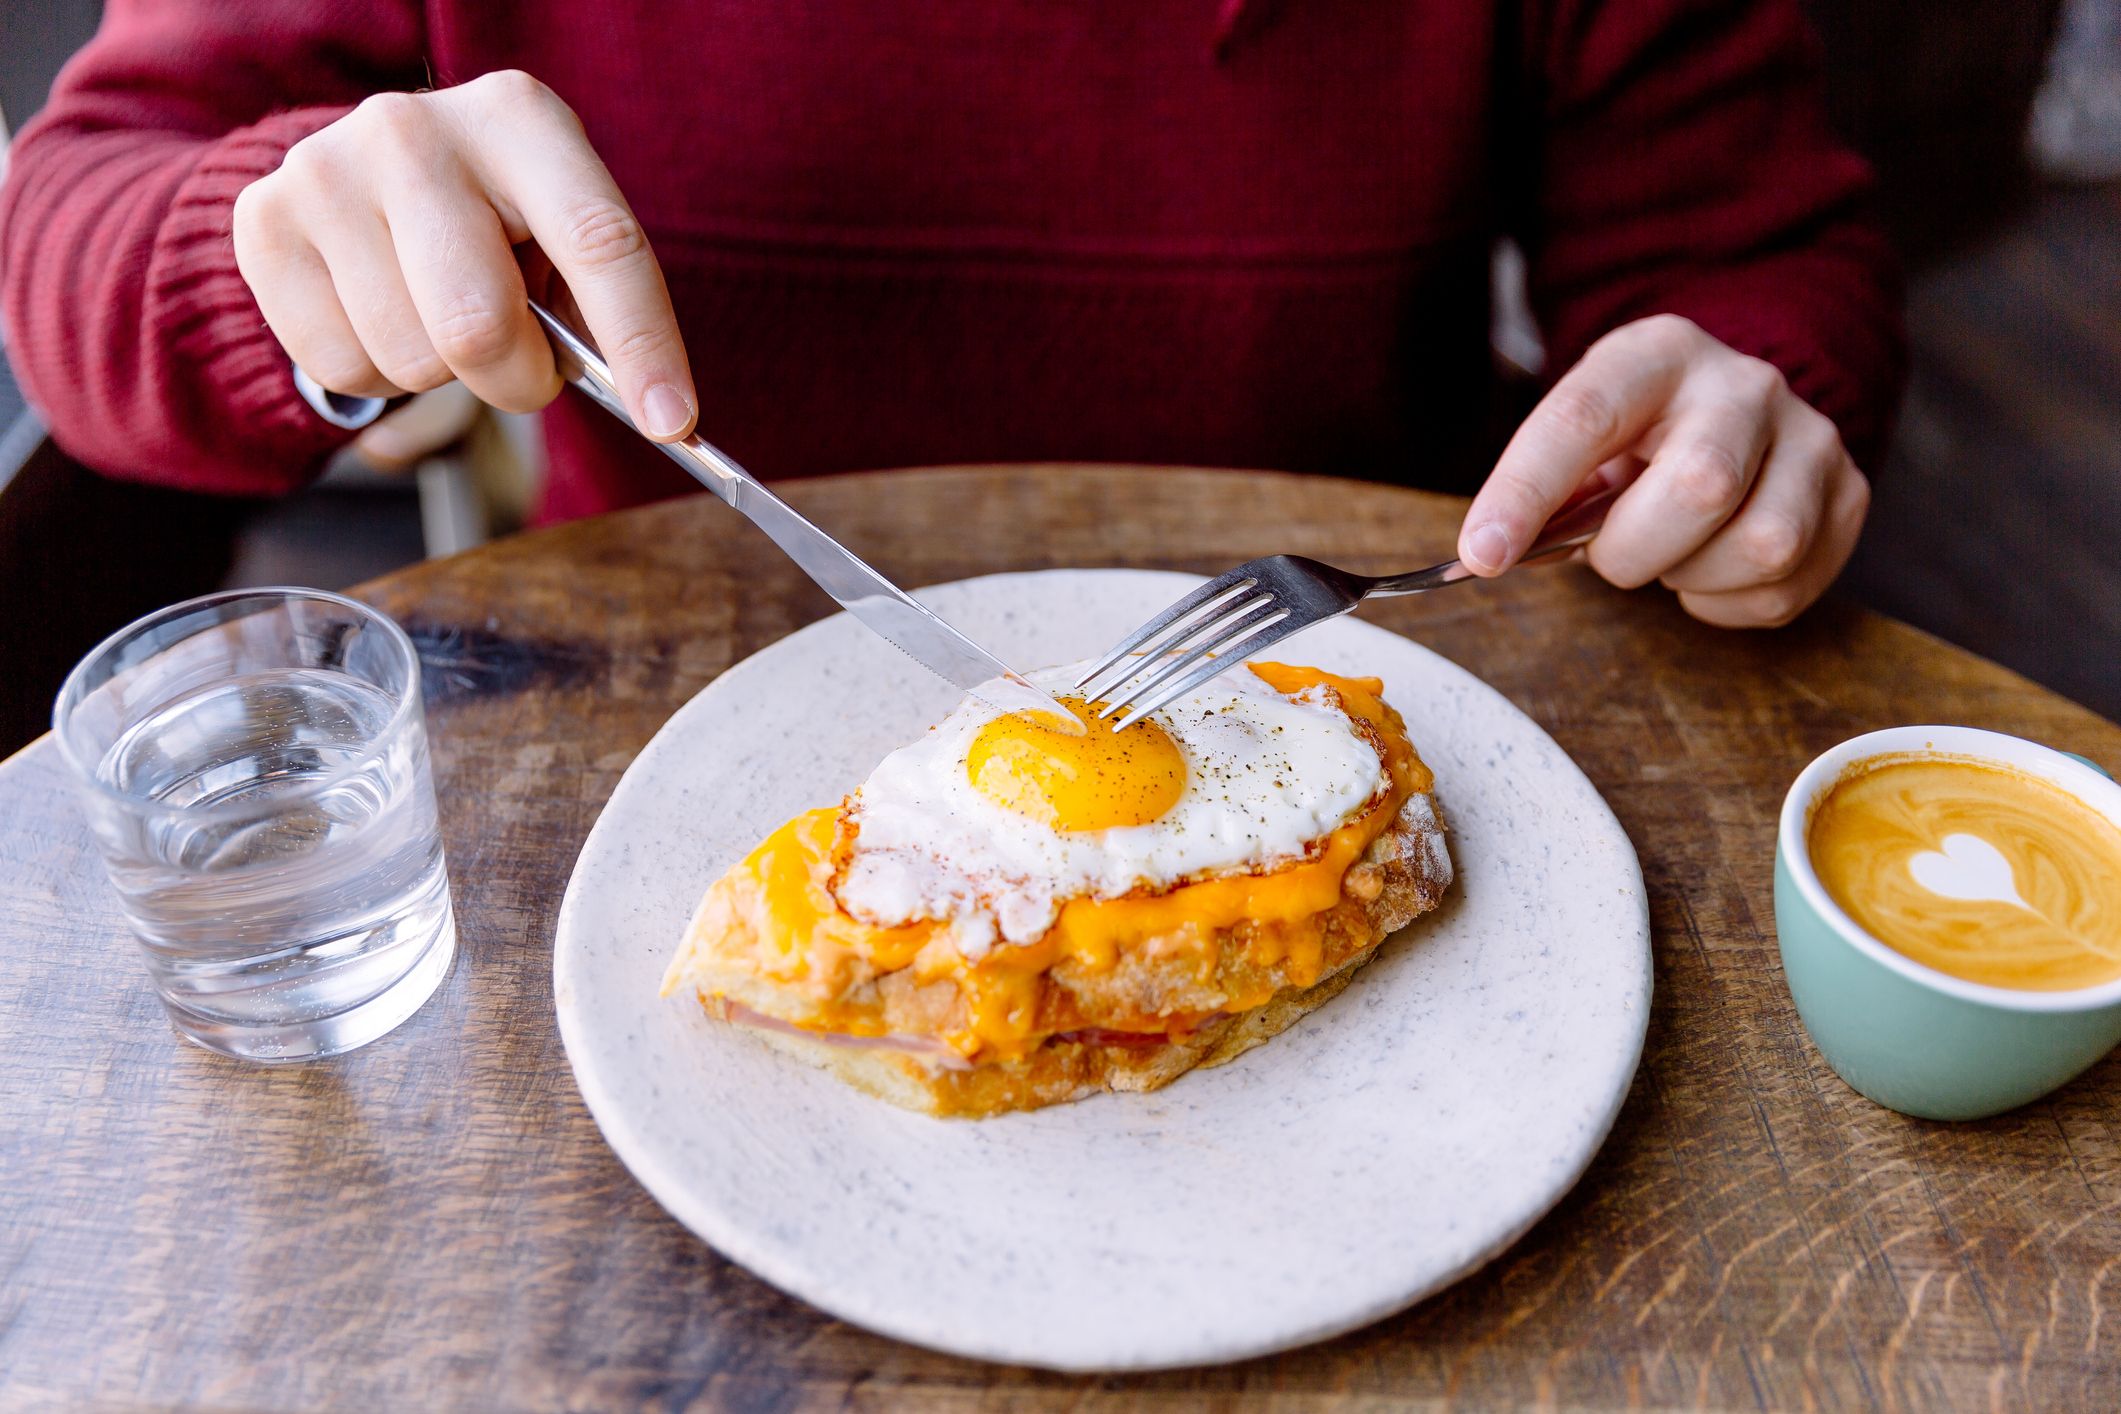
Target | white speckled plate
(1391,1142)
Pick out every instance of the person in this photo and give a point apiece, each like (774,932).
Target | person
(1216,232)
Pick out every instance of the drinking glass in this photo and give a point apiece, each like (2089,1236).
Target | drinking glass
(254,767)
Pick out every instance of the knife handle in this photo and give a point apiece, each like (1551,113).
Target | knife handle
(581,365)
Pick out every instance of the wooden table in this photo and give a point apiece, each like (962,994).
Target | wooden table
(434,1221)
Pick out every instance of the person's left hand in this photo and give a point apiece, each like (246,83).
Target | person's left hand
(1743,499)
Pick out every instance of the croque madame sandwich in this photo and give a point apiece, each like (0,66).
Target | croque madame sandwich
(1008,914)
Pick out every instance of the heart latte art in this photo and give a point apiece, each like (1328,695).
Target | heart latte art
(1975,869)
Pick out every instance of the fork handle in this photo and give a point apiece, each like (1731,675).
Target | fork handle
(1572,525)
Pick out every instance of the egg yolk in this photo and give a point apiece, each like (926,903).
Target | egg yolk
(1074,779)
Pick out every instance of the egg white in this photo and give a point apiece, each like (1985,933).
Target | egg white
(1266,776)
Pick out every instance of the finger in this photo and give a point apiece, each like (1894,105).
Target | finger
(1599,409)
(294,291)
(1772,534)
(462,279)
(1700,473)
(567,201)
(1772,605)
(364,271)
(403,438)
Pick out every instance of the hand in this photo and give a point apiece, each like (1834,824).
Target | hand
(1742,497)
(403,438)
(382,253)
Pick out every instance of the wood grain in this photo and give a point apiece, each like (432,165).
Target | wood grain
(434,1221)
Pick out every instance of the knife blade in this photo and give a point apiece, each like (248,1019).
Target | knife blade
(884,608)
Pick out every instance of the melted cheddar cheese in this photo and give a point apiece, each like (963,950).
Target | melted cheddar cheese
(774,917)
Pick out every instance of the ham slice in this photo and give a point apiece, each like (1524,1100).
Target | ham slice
(926,1047)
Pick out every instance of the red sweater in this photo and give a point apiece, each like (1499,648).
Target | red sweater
(1220,232)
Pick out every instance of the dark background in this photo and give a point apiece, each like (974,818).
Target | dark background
(1995,522)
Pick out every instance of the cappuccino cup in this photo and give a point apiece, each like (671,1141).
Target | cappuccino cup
(1945,905)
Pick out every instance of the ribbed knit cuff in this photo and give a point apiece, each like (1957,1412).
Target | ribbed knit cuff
(215,331)
(1843,351)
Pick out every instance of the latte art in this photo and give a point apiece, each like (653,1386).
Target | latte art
(1973,868)
(1968,867)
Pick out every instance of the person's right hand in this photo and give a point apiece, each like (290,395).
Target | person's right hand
(383,253)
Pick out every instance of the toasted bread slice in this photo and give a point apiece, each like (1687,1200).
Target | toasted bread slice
(1403,875)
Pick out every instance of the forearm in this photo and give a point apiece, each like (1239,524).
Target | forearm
(1685,167)
(128,321)
(1824,310)
(131,329)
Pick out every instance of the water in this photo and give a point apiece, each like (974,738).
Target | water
(279,919)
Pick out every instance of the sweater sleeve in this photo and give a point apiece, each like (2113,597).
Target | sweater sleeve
(127,321)
(1680,161)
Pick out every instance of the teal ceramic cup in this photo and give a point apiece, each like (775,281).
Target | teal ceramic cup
(1908,1036)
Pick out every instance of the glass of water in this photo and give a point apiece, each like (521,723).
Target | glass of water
(255,770)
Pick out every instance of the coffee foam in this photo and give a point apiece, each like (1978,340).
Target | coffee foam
(1972,867)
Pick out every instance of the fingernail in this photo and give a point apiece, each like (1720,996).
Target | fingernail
(387,448)
(666,410)
(1487,547)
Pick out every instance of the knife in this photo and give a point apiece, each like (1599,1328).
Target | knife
(887,610)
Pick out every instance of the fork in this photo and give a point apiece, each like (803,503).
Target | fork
(1261,602)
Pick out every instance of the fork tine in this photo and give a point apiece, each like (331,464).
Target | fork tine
(1144,672)
(1254,615)
(1219,590)
(1214,625)
(1266,636)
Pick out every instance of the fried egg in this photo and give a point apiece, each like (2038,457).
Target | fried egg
(994,820)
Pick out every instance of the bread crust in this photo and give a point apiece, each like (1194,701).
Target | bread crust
(1404,874)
